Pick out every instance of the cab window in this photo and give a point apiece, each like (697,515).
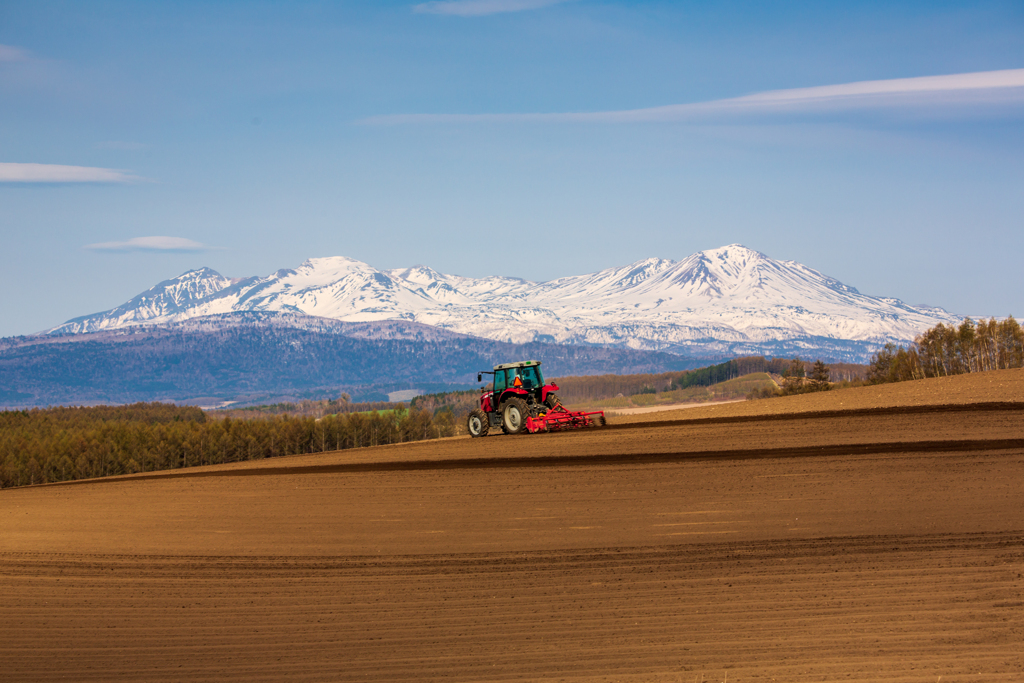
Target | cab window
(530,378)
(499,381)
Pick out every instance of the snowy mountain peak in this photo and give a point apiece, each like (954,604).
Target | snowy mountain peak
(734,262)
(327,263)
(733,253)
(420,275)
(330,269)
(643,270)
(199,274)
(167,299)
(195,285)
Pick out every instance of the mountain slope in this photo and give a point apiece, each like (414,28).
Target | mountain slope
(721,301)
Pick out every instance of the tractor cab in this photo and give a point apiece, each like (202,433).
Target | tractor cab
(522,379)
(526,376)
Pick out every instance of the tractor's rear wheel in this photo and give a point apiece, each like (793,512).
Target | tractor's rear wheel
(478,424)
(513,417)
(552,401)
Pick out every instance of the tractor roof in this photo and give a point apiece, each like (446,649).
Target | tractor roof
(517,364)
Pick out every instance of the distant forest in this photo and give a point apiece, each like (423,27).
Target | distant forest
(39,446)
(946,350)
(305,408)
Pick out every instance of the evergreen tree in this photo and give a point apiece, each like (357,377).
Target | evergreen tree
(820,375)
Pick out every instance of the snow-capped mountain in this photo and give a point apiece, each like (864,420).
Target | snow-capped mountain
(730,299)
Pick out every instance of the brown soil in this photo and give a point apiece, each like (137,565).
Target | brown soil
(864,534)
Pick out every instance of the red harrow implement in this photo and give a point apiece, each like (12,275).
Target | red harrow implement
(519,401)
(560,419)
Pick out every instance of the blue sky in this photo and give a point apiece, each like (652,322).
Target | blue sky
(140,140)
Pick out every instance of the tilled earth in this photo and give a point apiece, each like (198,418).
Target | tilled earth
(880,539)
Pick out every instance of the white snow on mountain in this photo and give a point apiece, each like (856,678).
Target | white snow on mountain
(169,300)
(730,295)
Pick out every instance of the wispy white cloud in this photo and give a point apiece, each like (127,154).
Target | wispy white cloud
(477,8)
(942,93)
(123,145)
(156,243)
(9,53)
(52,173)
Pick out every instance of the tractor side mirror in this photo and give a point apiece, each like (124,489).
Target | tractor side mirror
(479,377)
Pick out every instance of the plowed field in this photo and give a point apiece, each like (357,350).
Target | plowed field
(866,534)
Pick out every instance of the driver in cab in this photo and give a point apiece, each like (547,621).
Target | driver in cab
(526,378)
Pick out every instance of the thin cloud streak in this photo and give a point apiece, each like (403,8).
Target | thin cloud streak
(155,243)
(9,53)
(479,8)
(981,89)
(123,145)
(52,173)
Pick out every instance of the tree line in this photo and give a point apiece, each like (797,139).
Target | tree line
(730,369)
(458,403)
(784,367)
(60,444)
(307,408)
(952,350)
(598,387)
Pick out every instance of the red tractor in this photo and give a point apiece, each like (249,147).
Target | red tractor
(519,401)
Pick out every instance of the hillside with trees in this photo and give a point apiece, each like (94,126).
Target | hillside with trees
(946,350)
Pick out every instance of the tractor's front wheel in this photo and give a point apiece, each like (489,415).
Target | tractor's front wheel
(513,417)
(478,424)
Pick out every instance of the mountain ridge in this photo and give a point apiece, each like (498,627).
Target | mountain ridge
(709,302)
